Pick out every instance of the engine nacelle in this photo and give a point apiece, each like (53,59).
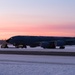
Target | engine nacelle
(48,44)
(34,44)
(61,44)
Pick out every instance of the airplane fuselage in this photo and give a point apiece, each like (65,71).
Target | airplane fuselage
(43,41)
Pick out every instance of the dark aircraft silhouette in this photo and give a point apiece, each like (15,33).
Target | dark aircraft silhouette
(42,41)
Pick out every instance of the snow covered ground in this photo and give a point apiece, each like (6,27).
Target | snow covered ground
(37,65)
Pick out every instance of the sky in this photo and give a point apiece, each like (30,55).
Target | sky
(37,18)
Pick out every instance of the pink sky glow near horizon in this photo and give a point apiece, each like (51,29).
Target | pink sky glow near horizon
(37,18)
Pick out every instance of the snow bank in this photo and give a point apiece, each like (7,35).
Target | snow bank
(37,65)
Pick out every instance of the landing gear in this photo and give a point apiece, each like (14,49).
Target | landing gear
(62,47)
(52,47)
(20,46)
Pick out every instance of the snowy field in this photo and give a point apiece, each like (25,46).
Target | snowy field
(37,65)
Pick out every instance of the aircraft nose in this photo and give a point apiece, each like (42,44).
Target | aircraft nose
(7,40)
